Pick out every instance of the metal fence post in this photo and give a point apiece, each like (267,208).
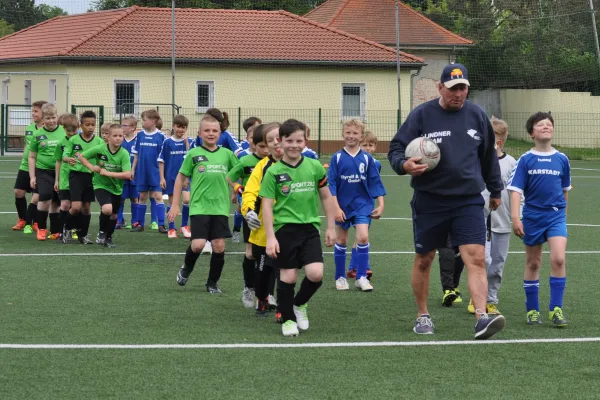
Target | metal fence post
(319,136)
(3,141)
(398,118)
(239,123)
(101,115)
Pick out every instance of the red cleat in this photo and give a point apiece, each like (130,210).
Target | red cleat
(351,274)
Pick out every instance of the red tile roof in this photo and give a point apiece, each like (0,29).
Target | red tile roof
(201,34)
(376,21)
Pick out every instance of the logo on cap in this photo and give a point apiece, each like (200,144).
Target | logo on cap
(456,74)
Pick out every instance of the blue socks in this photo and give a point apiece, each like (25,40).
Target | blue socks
(557,292)
(532,289)
(339,257)
(171,224)
(362,260)
(160,213)
(120,218)
(185,214)
(238,219)
(352,260)
(141,214)
(153,210)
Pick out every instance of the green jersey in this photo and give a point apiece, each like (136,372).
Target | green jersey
(244,168)
(29,131)
(208,172)
(78,144)
(44,143)
(63,177)
(112,162)
(295,191)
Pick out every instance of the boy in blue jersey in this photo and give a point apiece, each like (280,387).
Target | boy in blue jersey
(129,125)
(543,176)
(226,139)
(354,182)
(369,145)
(247,124)
(145,169)
(307,152)
(170,160)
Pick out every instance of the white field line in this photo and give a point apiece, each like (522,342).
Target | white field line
(290,345)
(151,253)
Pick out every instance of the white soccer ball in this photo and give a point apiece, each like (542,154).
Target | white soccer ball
(425,148)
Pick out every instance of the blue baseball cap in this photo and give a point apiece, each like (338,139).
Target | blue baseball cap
(454,74)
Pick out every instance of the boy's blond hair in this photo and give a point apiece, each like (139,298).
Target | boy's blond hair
(500,128)
(369,137)
(354,122)
(131,118)
(151,114)
(69,122)
(105,127)
(49,109)
(208,118)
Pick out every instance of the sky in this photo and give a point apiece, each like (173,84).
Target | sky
(70,6)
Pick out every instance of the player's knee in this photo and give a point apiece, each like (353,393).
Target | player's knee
(533,263)
(557,261)
(315,274)
(19,193)
(362,238)
(65,205)
(218,245)
(107,209)
(197,245)
(423,261)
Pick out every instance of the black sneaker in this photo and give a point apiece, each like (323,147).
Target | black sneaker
(212,288)
(262,308)
(137,228)
(108,243)
(85,240)
(100,238)
(183,275)
(488,325)
(163,229)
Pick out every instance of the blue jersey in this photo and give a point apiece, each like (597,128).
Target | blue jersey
(377,165)
(542,178)
(243,153)
(147,148)
(225,140)
(245,145)
(355,181)
(309,153)
(129,145)
(171,154)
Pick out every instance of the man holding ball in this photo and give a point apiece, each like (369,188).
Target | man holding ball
(447,199)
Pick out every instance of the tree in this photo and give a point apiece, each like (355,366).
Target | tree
(24,13)
(48,12)
(5,28)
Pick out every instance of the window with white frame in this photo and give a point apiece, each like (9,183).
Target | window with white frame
(52,91)
(354,101)
(205,95)
(127,96)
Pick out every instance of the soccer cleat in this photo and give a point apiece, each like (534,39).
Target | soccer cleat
(471,307)
(182,276)
(137,228)
(458,299)
(423,325)
(369,274)
(351,274)
(85,240)
(20,225)
(301,313)
(119,225)
(207,248)
(262,308)
(278,317)
(154,226)
(488,325)
(67,236)
(35,226)
(54,236)
(289,329)
(237,237)
(212,288)
(341,283)
(186,232)
(162,229)
(127,226)
(248,297)
(28,229)
(557,317)
(534,318)
(100,238)
(108,243)
(74,234)
(172,234)
(492,309)
(363,284)
(448,298)
(272,302)
(41,234)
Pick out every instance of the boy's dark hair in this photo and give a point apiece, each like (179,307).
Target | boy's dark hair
(222,117)
(87,114)
(181,120)
(69,122)
(258,135)
(290,126)
(537,117)
(251,121)
(38,104)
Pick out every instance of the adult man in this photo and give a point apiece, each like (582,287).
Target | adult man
(447,200)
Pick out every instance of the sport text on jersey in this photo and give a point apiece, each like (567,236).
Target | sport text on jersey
(353,178)
(544,172)
(437,136)
(297,187)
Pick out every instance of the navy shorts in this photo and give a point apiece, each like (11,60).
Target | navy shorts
(149,188)
(129,190)
(541,225)
(171,187)
(435,217)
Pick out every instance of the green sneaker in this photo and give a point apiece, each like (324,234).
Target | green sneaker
(28,230)
(154,226)
(458,299)
(289,328)
(533,318)
(127,226)
(449,297)
(557,317)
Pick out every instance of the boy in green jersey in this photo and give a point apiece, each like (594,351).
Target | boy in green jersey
(61,184)
(290,194)
(26,213)
(241,172)
(207,167)
(80,179)
(112,167)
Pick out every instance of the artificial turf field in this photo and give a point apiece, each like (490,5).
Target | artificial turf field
(52,294)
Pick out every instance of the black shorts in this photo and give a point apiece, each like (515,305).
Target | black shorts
(245,231)
(81,187)
(64,195)
(105,197)
(45,184)
(436,217)
(210,227)
(260,255)
(22,182)
(299,245)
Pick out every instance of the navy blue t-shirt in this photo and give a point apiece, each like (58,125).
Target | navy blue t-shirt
(468,160)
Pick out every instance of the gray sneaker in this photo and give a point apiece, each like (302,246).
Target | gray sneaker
(85,240)
(423,325)
(183,275)
(67,236)
(100,238)
(488,325)
(236,237)
(212,288)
